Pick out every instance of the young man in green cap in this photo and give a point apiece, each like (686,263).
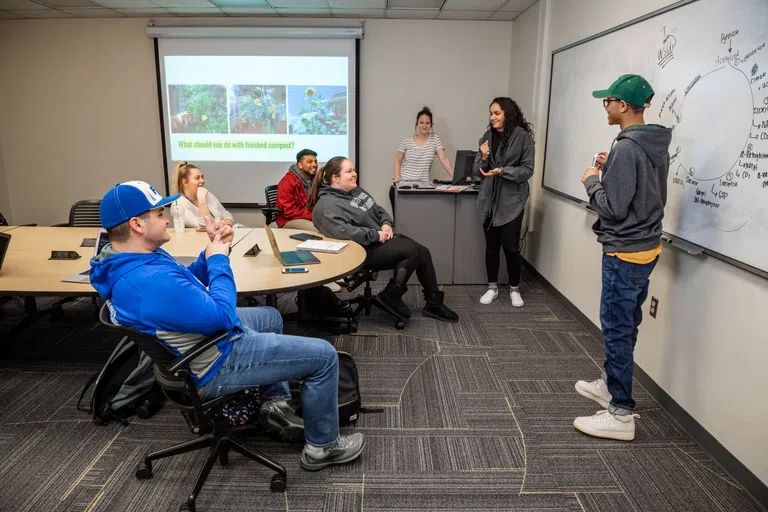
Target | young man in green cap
(630,203)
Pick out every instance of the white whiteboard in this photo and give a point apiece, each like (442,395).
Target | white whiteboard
(707,60)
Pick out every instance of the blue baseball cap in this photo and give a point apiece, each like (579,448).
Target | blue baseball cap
(128,200)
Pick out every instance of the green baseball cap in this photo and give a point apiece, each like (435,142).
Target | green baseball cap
(633,89)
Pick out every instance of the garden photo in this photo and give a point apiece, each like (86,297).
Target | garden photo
(258,109)
(317,110)
(198,108)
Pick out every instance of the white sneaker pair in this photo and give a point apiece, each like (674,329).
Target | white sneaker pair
(493,294)
(604,423)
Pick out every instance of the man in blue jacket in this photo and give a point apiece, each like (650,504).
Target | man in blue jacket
(149,291)
(629,201)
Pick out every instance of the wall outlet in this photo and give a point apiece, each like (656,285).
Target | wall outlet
(654,306)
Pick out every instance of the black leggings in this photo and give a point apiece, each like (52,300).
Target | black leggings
(508,237)
(405,256)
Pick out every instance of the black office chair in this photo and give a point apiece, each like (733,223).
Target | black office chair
(367,299)
(204,418)
(270,211)
(85,214)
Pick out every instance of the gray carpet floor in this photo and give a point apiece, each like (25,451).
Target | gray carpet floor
(477,416)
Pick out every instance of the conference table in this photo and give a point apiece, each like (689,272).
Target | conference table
(28,270)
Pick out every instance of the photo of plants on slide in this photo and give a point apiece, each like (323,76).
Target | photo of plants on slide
(317,110)
(198,108)
(257,109)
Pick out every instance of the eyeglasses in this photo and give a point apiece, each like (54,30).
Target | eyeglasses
(607,101)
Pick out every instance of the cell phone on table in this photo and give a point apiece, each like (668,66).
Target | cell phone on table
(295,270)
(305,236)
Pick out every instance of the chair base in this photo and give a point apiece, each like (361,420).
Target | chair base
(219,443)
(367,300)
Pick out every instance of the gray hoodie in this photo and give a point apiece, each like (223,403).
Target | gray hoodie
(352,215)
(630,198)
(304,181)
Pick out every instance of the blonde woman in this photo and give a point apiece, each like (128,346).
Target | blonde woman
(188,180)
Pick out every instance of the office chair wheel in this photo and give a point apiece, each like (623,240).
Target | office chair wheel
(187,507)
(399,325)
(144,471)
(278,483)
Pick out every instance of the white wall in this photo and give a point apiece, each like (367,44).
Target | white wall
(707,347)
(80,113)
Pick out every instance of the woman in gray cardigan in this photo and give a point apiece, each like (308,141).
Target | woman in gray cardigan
(505,164)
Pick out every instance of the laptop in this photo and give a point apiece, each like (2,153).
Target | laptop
(5,241)
(102,239)
(290,258)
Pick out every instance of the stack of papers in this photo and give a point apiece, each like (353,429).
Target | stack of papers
(321,246)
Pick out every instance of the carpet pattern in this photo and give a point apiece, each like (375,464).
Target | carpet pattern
(476,416)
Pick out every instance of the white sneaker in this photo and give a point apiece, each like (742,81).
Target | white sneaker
(596,390)
(607,425)
(517,300)
(489,296)
(335,288)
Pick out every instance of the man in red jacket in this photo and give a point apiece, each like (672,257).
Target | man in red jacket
(293,191)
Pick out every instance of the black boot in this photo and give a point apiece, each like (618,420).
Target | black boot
(436,309)
(391,298)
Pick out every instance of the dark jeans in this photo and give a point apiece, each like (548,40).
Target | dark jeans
(405,256)
(508,237)
(625,288)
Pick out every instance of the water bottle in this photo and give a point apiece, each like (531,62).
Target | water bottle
(177,212)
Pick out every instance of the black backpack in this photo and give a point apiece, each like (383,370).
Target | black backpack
(349,392)
(124,387)
(322,302)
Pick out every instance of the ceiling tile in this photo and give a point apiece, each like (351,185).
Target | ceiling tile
(464,15)
(358,4)
(358,13)
(414,4)
(8,15)
(298,4)
(157,12)
(59,4)
(197,11)
(93,13)
(267,14)
(20,5)
(518,5)
(248,10)
(471,5)
(305,13)
(504,15)
(424,14)
(126,4)
(47,13)
(184,4)
(241,3)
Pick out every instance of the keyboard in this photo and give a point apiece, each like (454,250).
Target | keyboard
(291,258)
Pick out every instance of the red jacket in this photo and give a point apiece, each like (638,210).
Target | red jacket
(292,199)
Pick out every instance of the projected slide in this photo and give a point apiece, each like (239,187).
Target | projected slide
(256,108)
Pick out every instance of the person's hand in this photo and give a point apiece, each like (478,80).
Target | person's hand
(217,246)
(212,227)
(485,150)
(395,181)
(589,172)
(601,158)
(202,195)
(386,228)
(383,237)
(492,172)
(226,232)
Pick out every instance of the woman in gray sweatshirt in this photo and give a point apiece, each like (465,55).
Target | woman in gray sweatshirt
(341,209)
(505,164)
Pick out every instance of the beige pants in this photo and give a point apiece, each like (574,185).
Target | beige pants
(303,224)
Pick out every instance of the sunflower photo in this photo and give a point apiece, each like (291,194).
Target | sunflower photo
(198,108)
(317,110)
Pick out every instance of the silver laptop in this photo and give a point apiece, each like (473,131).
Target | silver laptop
(102,239)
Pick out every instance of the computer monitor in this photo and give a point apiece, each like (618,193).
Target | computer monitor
(462,168)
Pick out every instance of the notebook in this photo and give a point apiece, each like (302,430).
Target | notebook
(321,246)
(290,258)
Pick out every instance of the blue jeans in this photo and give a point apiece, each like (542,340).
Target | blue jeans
(625,288)
(265,358)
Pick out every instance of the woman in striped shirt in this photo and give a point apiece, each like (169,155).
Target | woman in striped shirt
(416,154)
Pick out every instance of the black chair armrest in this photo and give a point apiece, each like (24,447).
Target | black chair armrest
(190,355)
(267,210)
